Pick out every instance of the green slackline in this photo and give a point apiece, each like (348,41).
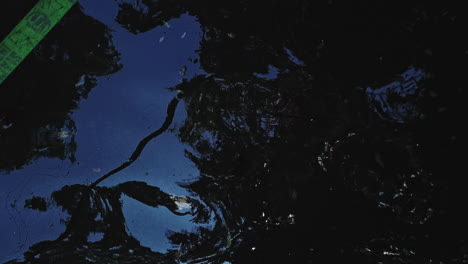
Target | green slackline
(29,32)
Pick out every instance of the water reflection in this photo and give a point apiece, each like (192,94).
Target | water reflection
(97,223)
(397,101)
(297,162)
(35,110)
(105,139)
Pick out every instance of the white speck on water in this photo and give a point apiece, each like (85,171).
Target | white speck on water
(81,81)
(390,253)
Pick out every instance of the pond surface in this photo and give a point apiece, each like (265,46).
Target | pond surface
(242,132)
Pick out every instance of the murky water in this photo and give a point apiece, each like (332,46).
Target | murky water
(241,132)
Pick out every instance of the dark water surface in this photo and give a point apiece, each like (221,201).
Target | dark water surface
(250,131)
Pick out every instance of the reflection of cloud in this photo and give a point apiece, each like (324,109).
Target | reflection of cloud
(397,100)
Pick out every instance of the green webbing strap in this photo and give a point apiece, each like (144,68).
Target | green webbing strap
(29,32)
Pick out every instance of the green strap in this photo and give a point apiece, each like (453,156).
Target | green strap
(29,32)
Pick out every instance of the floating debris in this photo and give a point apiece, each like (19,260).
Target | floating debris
(97,169)
(63,134)
(161,39)
(166,24)
(183,35)
(228,240)
(4,124)
(182,202)
(7,126)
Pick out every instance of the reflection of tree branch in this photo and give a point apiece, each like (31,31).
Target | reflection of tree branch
(170,116)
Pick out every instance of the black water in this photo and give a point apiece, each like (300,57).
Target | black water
(237,132)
